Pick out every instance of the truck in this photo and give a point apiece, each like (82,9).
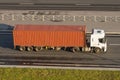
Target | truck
(58,37)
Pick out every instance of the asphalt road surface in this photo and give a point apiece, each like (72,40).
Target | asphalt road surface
(61,7)
(9,56)
(61,4)
(63,1)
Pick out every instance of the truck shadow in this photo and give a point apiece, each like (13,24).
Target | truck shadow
(6,39)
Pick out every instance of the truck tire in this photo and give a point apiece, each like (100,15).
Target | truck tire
(46,47)
(52,48)
(29,48)
(85,49)
(97,50)
(64,48)
(37,48)
(21,48)
(75,49)
(57,48)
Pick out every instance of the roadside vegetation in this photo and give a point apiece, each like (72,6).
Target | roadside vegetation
(56,74)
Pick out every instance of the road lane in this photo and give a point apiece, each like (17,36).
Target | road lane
(114,44)
(62,1)
(8,54)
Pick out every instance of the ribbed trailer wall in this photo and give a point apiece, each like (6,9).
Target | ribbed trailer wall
(49,35)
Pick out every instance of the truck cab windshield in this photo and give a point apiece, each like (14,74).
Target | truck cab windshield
(102,40)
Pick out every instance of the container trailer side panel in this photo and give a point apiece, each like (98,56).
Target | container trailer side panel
(50,27)
(49,38)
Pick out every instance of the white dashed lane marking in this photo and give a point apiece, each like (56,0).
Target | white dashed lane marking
(114,44)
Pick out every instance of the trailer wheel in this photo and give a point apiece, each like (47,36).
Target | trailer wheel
(46,47)
(57,48)
(37,48)
(29,48)
(83,49)
(52,48)
(21,48)
(97,50)
(75,49)
(64,48)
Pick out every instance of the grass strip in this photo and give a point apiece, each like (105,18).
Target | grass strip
(56,74)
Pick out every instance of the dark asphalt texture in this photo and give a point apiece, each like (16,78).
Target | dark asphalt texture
(113,5)
(62,7)
(63,1)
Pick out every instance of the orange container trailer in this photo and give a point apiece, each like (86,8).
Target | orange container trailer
(49,35)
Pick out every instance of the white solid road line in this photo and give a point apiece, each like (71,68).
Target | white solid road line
(114,44)
(53,67)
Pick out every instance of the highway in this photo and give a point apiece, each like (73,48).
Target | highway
(62,1)
(93,14)
(9,56)
(67,7)
(105,5)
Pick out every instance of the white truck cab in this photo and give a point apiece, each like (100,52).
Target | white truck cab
(98,41)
